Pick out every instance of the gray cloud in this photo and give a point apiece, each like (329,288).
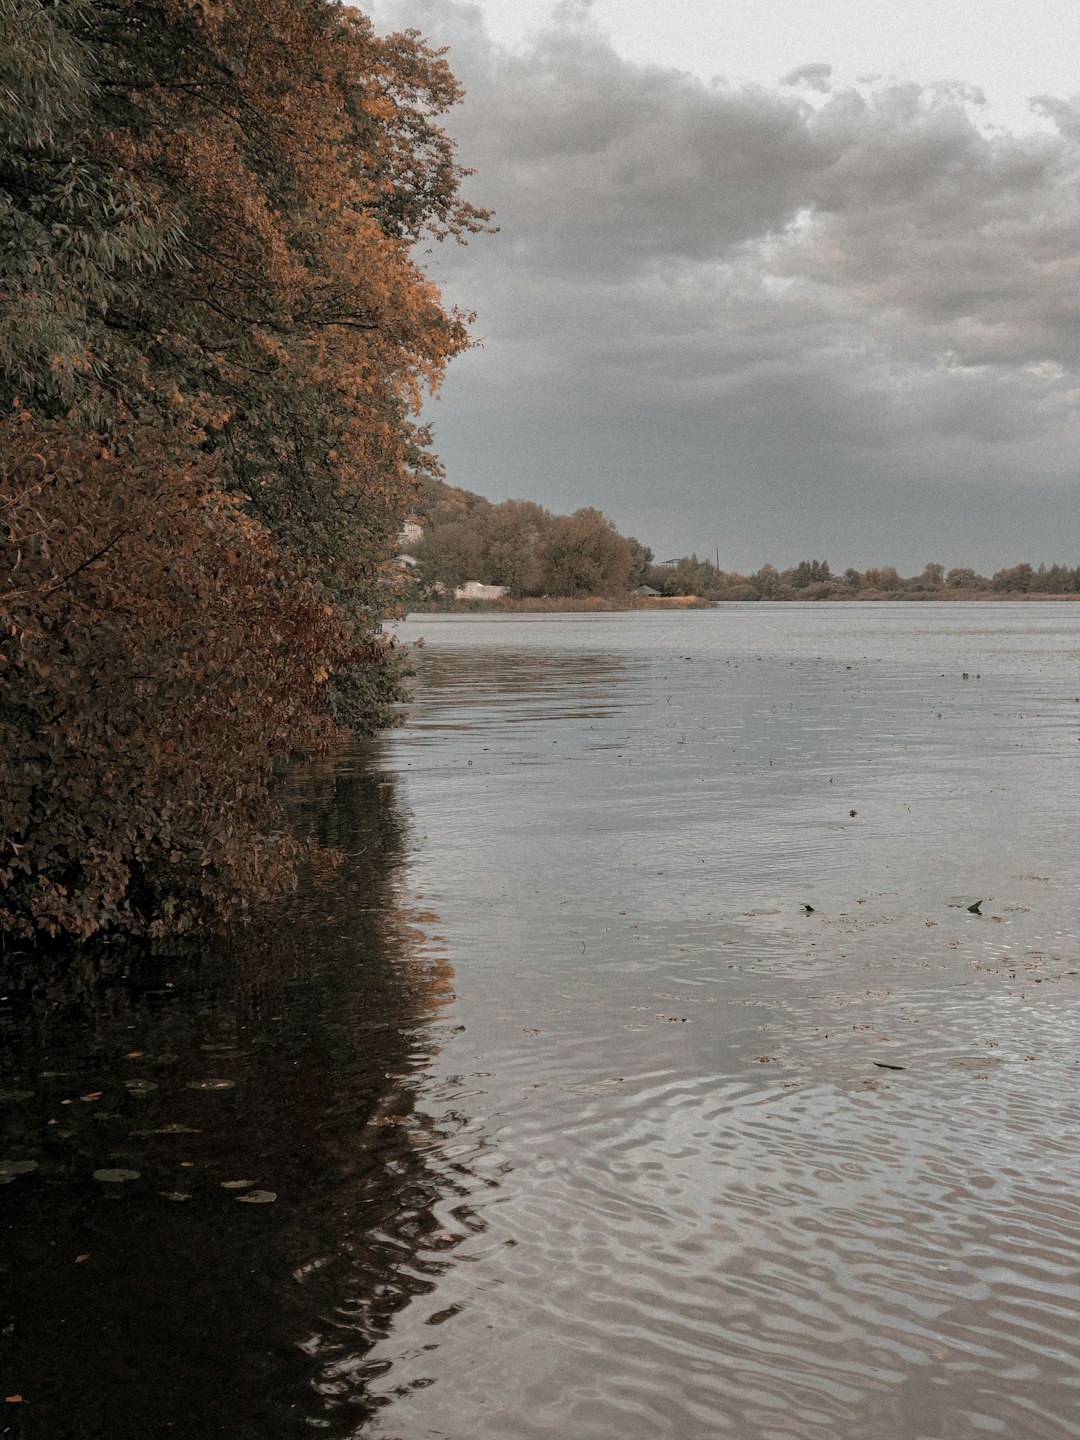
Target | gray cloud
(816,75)
(732,317)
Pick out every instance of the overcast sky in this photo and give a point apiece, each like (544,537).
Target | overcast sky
(779,278)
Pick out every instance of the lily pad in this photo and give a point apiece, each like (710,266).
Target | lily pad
(140,1087)
(237,1184)
(210,1084)
(10,1168)
(115,1177)
(257,1197)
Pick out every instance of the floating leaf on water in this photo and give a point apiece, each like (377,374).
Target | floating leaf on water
(237,1184)
(115,1177)
(173,1195)
(173,1129)
(94,1095)
(210,1084)
(257,1197)
(140,1087)
(10,1168)
(14,1095)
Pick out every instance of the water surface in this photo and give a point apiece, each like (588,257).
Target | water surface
(578,1121)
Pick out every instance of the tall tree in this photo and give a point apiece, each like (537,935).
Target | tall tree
(208,217)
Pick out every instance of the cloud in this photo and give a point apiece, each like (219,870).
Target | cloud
(815,75)
(572,12)
(787,318)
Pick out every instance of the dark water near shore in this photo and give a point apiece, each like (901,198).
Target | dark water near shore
(575,1121)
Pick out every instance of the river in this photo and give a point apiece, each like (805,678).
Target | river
(642,1072)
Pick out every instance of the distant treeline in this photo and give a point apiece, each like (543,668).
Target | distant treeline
(521,545)
(534,553)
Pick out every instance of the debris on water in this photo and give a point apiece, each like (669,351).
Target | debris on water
(808,908)
(115,1177)
(140,1087)
(174,1195)
(853,813)
(257,1197)
(974,909)
(885,1065)
(210,1084)
(237,1184)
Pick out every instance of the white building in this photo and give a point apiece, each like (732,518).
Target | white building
(477,590)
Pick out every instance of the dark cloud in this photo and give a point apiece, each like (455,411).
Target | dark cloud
(732,316)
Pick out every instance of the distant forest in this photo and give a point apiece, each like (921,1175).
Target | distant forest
(535,554)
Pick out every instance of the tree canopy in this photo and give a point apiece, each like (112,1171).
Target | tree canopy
(215,339)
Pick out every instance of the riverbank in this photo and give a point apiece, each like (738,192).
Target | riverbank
(578,604)
(560,604)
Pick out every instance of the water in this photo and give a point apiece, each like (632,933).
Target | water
(578,1121)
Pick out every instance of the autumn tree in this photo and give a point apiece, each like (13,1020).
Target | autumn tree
(512,536)
(450,554)
(214,342)
(583,554)
(1018,578)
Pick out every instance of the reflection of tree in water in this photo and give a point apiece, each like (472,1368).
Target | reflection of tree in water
(295,1059)
(580,686)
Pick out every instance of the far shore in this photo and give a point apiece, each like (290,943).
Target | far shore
(578,604)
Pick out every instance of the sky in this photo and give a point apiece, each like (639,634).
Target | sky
(774,279)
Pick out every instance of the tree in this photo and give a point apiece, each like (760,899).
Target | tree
(583,554)
(1020,578)
(641,559)
(450,554)
(213,326)
(810,572)
(884,578)
(963,579)
(766,582)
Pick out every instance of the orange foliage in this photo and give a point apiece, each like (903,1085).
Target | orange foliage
(157,657)
(222,359)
